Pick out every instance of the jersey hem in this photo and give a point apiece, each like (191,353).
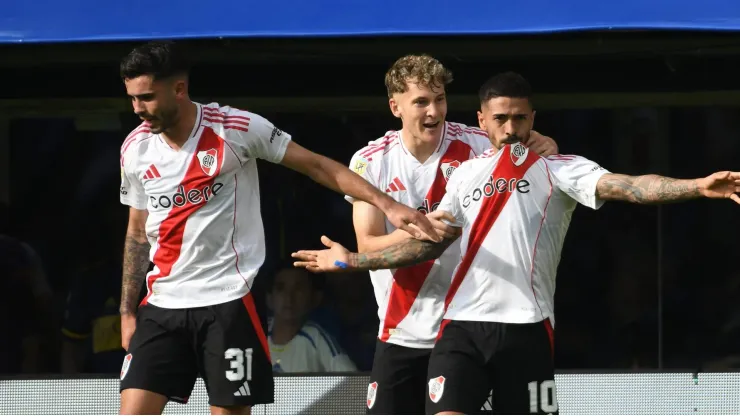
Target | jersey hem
(507,320)
(198,304)
(428,346)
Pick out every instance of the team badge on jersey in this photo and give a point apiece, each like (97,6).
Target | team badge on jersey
(519,153)
(436,388)
(208,161)
(126,364)
(372,392)
(360,166)
(448,168)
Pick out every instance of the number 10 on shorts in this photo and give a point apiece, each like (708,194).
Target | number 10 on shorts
(241,367)
(542,397)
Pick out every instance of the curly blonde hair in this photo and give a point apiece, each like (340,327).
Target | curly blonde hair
(422,69)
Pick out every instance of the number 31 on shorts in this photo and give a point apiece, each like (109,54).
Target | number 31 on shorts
(542,397)
(241,367)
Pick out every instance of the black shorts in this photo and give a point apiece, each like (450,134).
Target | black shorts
(514,361)
(225,344)
(398,380)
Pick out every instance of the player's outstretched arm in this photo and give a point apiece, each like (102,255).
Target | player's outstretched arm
(135,267)
(654,189)
(369,223)
(337,177)
(337,258)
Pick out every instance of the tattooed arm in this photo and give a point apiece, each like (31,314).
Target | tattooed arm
(337,258)
(654,189)
(135,266)
(646,189)
(135,261)
(406,253)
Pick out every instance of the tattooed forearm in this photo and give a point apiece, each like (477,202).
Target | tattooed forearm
(646,189)
(403,254)
(135,266)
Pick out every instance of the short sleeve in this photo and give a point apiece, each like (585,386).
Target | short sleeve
(361,166)
(132,191)
(577,177)
(261,139)
(450,202)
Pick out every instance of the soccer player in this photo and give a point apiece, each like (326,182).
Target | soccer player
(413,166)
(514,208)
(189,175)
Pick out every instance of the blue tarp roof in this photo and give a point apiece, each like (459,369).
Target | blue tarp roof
(101,20)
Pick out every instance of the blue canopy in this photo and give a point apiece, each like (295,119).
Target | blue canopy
(103,20)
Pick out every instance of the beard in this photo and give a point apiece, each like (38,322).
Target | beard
(511,139)
(163,121)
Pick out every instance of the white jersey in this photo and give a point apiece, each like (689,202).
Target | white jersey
(410,300)
(204,224)
(312,350)
(515,208)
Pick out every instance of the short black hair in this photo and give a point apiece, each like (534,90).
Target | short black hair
(507,84)
(160,59)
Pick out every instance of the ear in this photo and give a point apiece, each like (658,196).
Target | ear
(481,120)
(534,113)
(181,88)
(393,104)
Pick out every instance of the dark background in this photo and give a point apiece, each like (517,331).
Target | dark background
(639,287)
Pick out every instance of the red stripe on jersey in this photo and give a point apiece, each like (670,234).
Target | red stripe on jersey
(132,139)
(442,137)
(214,112)
(399,184)
(442,326)
(227,119)
(155,171)
(473,130)
(561,157)
(407,281)
(248,301)
(489,212)
(145,126)
(454,129)
(388,149)
(228,124)
(172,228)
(550,335)
(374,147)
(393,187)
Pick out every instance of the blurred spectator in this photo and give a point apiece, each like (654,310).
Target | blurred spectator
(91,330)
(26,318)
(352,301)
(92,324)
(298,345)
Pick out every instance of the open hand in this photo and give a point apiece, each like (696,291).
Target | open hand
(333,259)
(721,185)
